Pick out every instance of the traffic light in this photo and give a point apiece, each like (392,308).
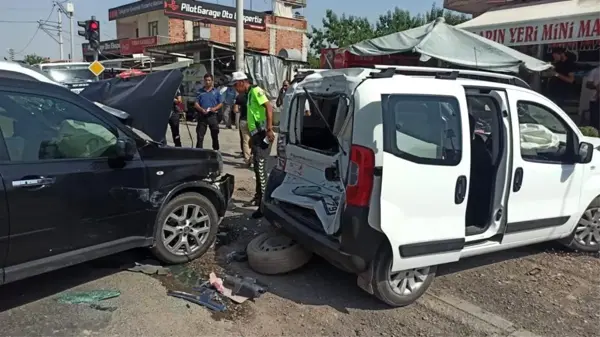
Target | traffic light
(84,32)
(94,34)
(91,32)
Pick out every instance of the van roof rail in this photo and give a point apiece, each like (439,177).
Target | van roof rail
(453,74)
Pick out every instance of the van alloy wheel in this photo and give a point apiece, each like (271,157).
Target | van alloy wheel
(587,232)
(407,282)
(186,229)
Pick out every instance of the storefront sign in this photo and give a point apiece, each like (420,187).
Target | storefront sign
(110,46)
(581,29)
(213,13)
(137,46)
(134,8)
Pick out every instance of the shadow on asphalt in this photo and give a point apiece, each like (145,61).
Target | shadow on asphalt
(38,287)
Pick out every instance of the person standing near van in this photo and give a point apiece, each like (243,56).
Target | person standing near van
(241,111)
(228,102)
(593,83)
(174,118)
(208,103)
(260,127)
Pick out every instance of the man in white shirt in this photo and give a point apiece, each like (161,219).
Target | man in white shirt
(593,83)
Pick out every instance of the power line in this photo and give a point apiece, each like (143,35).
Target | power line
(35,33)
(11,21)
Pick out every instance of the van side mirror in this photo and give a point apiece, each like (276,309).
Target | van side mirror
(125,148)
(584,153)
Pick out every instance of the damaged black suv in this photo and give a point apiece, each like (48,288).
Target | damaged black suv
(79,184)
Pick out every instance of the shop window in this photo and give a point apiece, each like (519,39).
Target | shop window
(153,28)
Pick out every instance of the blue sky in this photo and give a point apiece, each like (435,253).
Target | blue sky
(18,30)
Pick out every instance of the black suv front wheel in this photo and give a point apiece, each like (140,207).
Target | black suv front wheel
(186,227)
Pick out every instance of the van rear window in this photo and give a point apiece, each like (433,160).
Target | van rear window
(423,129)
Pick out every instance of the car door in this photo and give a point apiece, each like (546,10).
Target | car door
(4,229)
(546,184)
(313,187)
(425,173)
(64,190)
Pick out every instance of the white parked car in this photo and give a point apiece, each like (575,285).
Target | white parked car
(20,71)
(395,171)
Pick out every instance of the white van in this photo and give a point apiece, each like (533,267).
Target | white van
(396,171)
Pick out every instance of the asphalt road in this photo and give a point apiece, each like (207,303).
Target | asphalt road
(541,290)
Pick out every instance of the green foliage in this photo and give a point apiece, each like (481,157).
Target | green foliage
(34,59)
(589,131)
(342,31)
(314,62)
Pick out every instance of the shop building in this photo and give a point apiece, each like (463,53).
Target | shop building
(150,23)
(535,27)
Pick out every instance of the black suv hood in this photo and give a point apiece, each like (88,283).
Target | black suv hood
(147,99)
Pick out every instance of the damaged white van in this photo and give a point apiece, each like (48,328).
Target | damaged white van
(389,173)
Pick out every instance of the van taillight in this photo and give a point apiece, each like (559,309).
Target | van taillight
(360,176)
(281,159)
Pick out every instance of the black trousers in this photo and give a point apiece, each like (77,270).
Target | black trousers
(208,122)
(595,114)
(174,125)
(260,155)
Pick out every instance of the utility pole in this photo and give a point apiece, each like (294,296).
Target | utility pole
(239,35)
(67,10)
(59,33)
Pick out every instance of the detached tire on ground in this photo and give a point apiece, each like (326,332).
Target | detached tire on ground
(272,254)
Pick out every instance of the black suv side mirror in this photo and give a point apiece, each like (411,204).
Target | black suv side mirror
(125,148)
(584,153)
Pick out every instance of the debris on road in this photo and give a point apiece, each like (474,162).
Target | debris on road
(93,298)
(244,287)
(208,298)
(149,269)
(88,297)
(237,257)
(216,282)
(534,271)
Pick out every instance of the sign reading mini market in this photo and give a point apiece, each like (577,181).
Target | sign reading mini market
(212,13)
(585,28)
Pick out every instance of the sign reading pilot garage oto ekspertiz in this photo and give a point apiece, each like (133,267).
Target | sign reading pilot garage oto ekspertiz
(212,13)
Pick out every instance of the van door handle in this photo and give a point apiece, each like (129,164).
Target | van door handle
(518,182)
(33,182)
(460,191)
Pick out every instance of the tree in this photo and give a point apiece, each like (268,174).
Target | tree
(33,59)
(342,31)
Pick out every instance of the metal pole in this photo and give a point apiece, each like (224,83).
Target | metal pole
(72,32)
(239,35)
(212,60)
(60,37)
(96,59)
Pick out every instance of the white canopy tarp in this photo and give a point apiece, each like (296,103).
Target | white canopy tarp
(454,45)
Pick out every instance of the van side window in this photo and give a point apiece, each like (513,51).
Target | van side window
(427,128)
(37,128)
(544,136)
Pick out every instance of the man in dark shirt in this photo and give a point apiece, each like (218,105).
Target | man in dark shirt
(564,76)
(174,119)
(241,108)
(208,103)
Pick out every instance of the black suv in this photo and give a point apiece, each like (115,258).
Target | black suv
(78,184)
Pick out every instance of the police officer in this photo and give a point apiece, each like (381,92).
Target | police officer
(260,127)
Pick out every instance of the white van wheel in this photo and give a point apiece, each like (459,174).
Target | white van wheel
(586,235)
(399,289)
